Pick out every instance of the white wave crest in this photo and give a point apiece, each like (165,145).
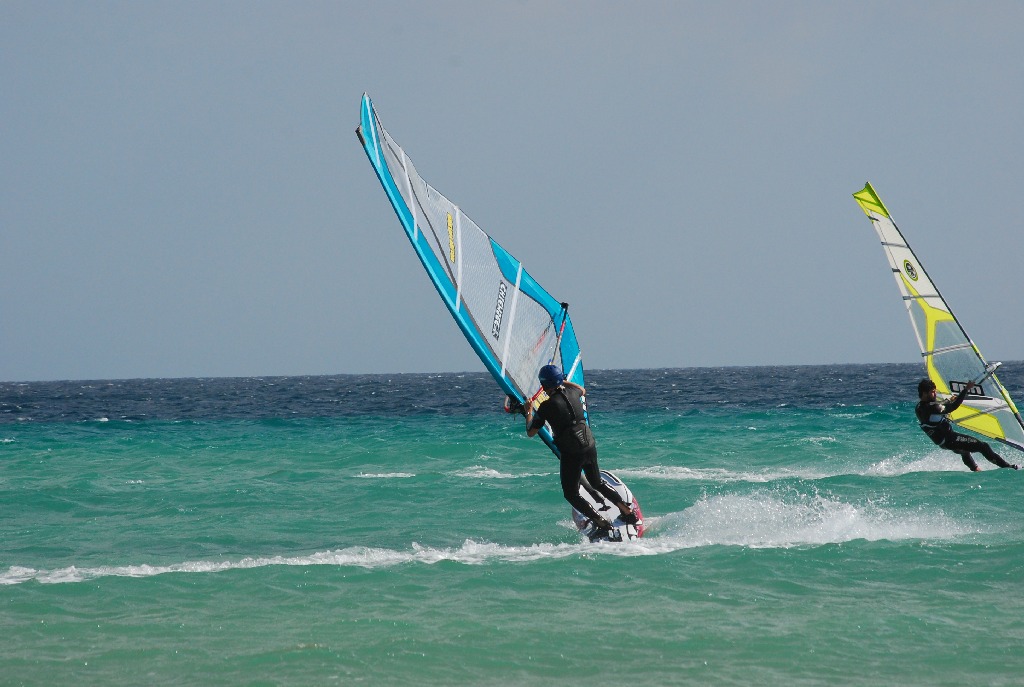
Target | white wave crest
(718,475)
(385,475)
(470,553)
(483,472)
(769,521)
(936,461)
(754,521)
(894,466)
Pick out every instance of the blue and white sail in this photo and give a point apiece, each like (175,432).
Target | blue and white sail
(513,324)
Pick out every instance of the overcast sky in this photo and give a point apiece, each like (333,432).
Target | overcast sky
(182,192)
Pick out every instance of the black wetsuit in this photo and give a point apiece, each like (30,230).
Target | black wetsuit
(565,411)
(932,416)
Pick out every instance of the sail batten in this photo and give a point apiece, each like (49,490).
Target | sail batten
(947,349)
(511,322)
(951,358)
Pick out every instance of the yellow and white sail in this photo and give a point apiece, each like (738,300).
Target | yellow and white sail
(951,358)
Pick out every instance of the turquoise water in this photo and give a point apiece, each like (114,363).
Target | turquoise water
(403,530)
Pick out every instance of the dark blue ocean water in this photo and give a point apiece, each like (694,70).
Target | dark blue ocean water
(401,529)
(399,395)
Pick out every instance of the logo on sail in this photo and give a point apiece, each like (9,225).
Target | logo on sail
(909,269)
(451,239)
(499,310)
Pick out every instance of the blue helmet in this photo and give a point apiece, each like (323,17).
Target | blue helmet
(550,376)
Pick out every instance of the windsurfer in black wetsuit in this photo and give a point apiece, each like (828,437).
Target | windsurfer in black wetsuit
(932,416)
(565,411)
